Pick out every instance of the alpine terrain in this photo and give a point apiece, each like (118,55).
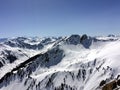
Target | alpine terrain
(76,62)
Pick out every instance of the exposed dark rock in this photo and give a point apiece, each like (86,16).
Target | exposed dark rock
(86,41)
(74,39)
(102,83)
(11,58)
(118,82)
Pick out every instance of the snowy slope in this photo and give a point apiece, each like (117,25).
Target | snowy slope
(16,48)
(12,56)
(70,63)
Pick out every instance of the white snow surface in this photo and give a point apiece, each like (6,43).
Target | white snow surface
(77,57)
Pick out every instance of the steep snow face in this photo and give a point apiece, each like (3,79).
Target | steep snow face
(73,63)
(11,57)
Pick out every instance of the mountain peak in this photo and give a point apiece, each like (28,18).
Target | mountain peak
(81,60)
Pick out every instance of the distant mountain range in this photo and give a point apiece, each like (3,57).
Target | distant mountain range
(76,62)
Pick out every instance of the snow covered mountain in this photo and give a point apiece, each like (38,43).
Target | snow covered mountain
(66,63)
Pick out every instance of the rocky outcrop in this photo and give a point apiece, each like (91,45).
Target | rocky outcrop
(86,41)
(112,85)
(74,39)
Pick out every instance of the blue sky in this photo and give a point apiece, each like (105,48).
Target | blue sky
(59,17)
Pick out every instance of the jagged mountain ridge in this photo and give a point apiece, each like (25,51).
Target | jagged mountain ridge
(22,46)
(12,55)
(72,63)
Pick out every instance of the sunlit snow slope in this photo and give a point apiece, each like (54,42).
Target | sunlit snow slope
(66,63)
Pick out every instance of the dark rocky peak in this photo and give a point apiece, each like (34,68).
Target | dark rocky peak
(74,39)
(111,35)
(21,38)
(86,41)
(84,37)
